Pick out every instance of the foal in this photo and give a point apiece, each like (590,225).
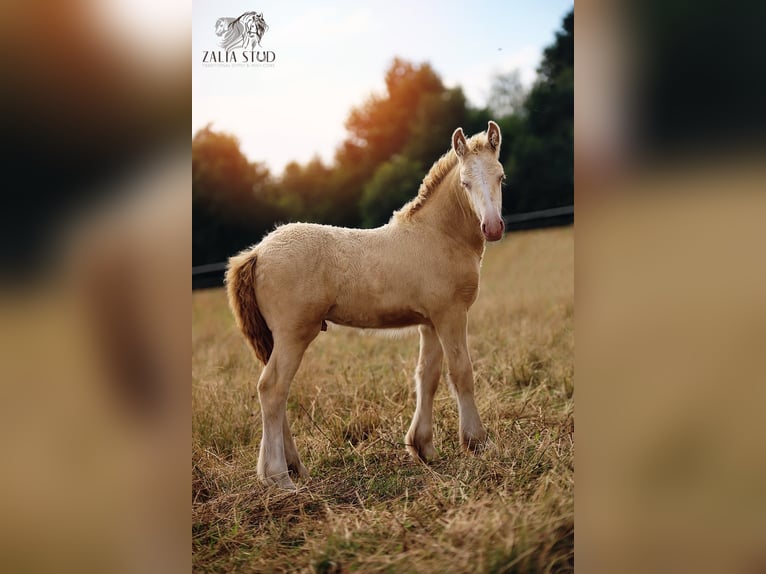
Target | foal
(421,268)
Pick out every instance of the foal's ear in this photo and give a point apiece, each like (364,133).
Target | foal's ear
(458,142)
(493,135)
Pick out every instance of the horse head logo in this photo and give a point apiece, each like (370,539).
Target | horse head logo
(245,31)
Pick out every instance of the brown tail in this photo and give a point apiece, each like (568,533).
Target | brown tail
(240,285)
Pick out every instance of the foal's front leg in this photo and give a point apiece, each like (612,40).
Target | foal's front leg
(419,439)
(452,332)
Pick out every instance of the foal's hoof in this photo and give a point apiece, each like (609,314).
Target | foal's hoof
(299,471)
(281,480)
(474,441)
(420,450)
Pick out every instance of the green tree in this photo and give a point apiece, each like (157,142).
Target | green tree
(540,167)
(394,184)
(306,191)
(437,116)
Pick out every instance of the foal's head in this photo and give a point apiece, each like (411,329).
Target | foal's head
(481,176)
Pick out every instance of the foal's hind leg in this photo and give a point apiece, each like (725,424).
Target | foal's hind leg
(419,439)
(291,452)
(273,388)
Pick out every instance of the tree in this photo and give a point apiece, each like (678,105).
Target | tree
(437,117)
(306,192)
(540,167)
(414,118)
(507,94)
(394,184)
(232,204)
(220,171)
(382,126)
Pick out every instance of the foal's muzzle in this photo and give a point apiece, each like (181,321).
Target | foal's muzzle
(493,231)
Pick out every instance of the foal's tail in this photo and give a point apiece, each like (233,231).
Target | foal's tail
(240,285)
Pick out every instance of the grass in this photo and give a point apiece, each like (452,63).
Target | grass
(368,506)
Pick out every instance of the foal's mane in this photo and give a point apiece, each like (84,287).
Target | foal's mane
(436,175)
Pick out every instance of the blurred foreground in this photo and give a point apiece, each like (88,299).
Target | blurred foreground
(95,236)
(671,307)
(671,288)
(95,400)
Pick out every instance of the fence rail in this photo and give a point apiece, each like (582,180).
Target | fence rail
(538,215)
(211,274)
(208,268)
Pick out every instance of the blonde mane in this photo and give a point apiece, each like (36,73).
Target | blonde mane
(436,175)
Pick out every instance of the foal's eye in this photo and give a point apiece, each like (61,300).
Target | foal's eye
(466,184)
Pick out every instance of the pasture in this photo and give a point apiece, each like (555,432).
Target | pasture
(369,507)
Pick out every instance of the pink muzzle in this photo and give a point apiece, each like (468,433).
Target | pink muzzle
(493,229)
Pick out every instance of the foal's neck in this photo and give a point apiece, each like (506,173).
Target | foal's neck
(452,212)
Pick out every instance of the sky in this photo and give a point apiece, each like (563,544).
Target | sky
(330,56)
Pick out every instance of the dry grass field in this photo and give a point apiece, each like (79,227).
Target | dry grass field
(369,507)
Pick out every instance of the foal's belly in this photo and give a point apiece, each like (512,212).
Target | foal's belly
(375,318)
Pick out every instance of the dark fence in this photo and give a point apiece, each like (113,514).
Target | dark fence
(207,276)
(211,274)
(552,217)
